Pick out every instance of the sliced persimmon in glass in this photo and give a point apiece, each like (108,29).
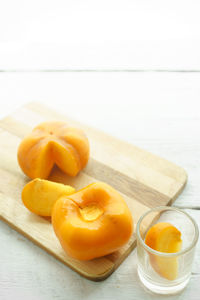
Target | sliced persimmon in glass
(165,238)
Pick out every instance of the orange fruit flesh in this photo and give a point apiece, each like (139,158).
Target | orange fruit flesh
(40,195)
(166,238)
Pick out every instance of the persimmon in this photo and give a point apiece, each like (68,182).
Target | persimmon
(40,195)
(53,143)
(166,238)
(92,222)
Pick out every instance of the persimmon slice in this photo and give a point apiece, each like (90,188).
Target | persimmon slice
(40,195)
(166,238)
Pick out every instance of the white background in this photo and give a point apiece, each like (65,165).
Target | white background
(107,34)
(129,68)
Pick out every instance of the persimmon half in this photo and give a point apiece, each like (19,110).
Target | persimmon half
(166,238)
(53,143)
(92,222)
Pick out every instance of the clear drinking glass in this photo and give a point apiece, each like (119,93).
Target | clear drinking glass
(183,259)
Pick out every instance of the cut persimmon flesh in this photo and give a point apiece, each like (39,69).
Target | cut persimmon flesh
(40,195)
(166,238)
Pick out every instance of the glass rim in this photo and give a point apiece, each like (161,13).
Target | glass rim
(164,254)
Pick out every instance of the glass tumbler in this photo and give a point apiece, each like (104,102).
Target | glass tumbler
(148,258)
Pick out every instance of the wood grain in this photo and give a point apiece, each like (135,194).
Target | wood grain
(143,179)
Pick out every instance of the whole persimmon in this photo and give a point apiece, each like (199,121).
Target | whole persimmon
(92,222)
(53,143)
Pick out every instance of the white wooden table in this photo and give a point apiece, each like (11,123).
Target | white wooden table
(130,68)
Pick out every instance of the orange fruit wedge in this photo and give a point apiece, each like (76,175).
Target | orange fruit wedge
(40,195)
(166,238)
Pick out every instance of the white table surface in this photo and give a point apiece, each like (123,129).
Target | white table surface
(156,111)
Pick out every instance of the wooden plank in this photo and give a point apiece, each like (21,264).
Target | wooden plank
(125,173)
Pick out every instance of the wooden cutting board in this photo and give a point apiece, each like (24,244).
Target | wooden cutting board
(144,180)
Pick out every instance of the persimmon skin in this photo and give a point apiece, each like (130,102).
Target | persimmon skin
(40,195)
(166,238)
(92,222)
(53,143)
